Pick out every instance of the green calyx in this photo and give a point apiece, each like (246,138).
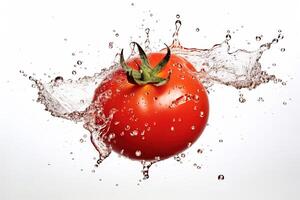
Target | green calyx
(146,74)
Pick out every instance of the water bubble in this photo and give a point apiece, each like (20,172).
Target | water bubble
(73,54)
(79,62)
(182,155)
(220,140)
(74,72)
(197,29)
(282,49)
(273,64)
(138,153)
(284,103)
(117,34)
(177,16)
(221,177)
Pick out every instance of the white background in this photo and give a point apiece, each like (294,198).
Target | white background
(260,155)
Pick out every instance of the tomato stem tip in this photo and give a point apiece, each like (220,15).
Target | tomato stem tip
(146,74)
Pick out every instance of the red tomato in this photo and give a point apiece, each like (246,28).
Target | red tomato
(152,118)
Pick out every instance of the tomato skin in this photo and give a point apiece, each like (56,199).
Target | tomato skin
(153,122)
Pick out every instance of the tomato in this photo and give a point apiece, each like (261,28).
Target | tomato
(154,114)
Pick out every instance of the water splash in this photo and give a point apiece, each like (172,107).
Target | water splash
(72,99)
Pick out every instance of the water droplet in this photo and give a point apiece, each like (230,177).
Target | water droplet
(74,72)
(58,79)
(81,140)
(132,4)
(157,158)
(273,64)
(260,99)
(228,37)
(172,128)
(147,30)
(197,29)
(284,103)
(242,99)
(221,177)
(282,49)
(127,127)
(138,153)
(201,114)
(220,140)
(258,38)
(200,151)
(177,24)
(177,158)
(73,54)
(117,34)
(134,133)
(182,155)
(79,62)
(177,16)
(275,40)
(111,136)
(193,127)
(111,45)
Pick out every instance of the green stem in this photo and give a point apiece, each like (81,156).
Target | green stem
(146,74)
